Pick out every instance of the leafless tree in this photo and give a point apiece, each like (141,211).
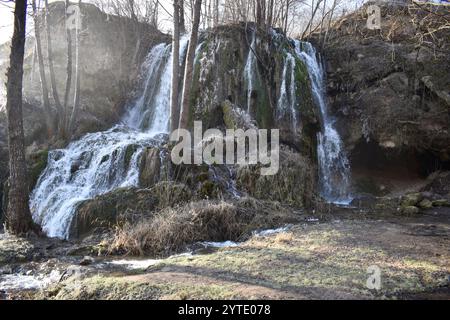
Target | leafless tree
(174,107)
(76,102)
(186,101)
(44,87)
(18,217)
(56,99)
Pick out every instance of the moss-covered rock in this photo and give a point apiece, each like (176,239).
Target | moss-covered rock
(36,165)
(235,118)
(15,250)
(106,211)
(150,167)
(295,183)
(410,210)
(125,205)
(411,199)
(425,204)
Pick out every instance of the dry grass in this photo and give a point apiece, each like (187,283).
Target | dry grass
(284,238)
(173,229)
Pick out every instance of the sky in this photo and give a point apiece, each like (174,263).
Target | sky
(7,16)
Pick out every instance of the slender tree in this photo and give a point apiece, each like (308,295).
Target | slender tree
(181,16)
(216,13)
(18,217)
(188,74)
(76,102)
(64,118)
(174,107)
(50,62)
(44,88)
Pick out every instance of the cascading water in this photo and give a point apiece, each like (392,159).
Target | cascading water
(333,162)
(103,161)
(287,102)
(250,72)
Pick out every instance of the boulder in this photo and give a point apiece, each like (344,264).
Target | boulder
(87,261)
(426,204)
(411,199)
(125,205)
(410,210)
(106,211)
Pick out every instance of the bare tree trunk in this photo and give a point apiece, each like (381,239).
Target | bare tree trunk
(45,97)
(324,15)
(216,13)
(64,119)
(286,17)
(174,106)
(76,102)
(258,13)
(210,14)
(270,14)
(50,64)
(18,217)
(330,21)
(186,101)
(311,21)
(181,17)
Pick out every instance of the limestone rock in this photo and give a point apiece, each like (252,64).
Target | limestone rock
(411,199)
(410,210)
(426,204)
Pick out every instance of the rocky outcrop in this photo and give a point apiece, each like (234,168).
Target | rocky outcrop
(389,93)
(220,78)
(125,205)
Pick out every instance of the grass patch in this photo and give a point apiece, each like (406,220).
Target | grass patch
(173,229)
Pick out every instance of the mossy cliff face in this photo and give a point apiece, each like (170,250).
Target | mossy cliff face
(221,98)
(219,75)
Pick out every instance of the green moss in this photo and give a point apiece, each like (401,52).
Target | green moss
(228,118)
(129,152)
(209,190)
(134,288)
(37,166)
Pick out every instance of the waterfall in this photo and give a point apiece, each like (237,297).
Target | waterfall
(287,102)
(250,72)
(101,162)
(333,163)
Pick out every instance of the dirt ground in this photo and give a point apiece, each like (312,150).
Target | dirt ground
(328,259)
